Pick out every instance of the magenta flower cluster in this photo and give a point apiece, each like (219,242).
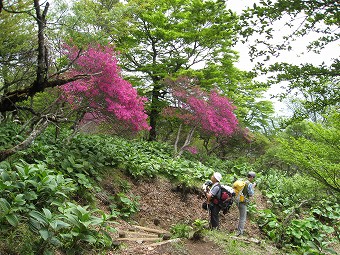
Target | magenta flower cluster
(104,92)
(211,112)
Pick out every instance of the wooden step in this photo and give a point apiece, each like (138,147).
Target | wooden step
(165,242)
(129,233)
(152,230)
(141,239)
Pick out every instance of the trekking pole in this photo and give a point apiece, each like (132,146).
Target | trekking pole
(209,216)
(206,189)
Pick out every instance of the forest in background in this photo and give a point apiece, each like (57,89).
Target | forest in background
(151,89)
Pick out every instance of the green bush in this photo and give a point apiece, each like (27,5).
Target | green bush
(124,206)
(311,235)
(35,198)
(9,134)
(180,230)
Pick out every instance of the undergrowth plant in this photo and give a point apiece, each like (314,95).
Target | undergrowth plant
(180,230)
(286,222)
(10,135)
(123,205)
(199,226)
(36,199)
(39,186)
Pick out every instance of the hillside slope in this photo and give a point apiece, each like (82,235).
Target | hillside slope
(163,204)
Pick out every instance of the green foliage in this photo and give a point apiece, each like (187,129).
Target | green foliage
(124,185)
(313,86)
(314,151)
(311,235)
(17,46)
(124,206)
(35,196)
(286,191)
(24,186)
(171,29)
(319,19)
(234,246)
(180,230)
(194,231)
(87,156)
(198,229)
(18,241)
(9,135)
(139,159)
(307,233)
(199,224)
(219,165)
(269,223)
(328,212)
(288,222)
(85,230)
(73,228)
(83,159)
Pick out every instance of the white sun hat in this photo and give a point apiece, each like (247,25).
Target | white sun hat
(217,176)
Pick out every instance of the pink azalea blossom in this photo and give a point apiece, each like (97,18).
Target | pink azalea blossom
(210,112)
(104,93)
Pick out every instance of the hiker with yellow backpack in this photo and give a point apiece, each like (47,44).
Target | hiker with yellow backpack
(243,191)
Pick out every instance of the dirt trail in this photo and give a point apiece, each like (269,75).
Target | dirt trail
(162,206)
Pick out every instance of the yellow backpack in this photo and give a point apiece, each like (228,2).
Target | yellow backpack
(238,187)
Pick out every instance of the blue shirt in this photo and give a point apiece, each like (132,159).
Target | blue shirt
(215,189)
(251,190)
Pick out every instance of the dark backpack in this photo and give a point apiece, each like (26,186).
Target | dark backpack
(224,198)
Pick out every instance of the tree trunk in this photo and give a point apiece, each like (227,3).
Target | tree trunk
(154,113)
(186,143)
(177,139)
(42,65)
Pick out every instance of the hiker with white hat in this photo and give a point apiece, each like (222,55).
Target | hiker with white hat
(213,208)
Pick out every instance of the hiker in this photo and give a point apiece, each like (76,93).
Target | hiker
(248,191)
(214,208)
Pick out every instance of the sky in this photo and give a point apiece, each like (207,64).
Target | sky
(296,56)
(299,46)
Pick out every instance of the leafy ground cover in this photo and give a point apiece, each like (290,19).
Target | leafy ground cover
(66,198)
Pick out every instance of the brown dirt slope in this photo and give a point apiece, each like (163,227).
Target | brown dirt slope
(162,206)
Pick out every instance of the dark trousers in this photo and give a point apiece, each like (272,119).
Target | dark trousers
(214,215)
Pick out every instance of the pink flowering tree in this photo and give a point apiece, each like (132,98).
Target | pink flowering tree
(206,112)
(103,95)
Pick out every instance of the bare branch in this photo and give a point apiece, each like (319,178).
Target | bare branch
(68,65)
(42,125)
(8,101)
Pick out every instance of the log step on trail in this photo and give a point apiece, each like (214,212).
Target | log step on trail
(165,242)
(152,230)
(138,234)
(140,239)
(145,234)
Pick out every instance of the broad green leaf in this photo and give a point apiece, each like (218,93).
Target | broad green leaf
(90,239)
(44,234)
(19,199)
(31,195)
(12,219)
(58,224)
(39,217)
(4,206)
(47,213)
